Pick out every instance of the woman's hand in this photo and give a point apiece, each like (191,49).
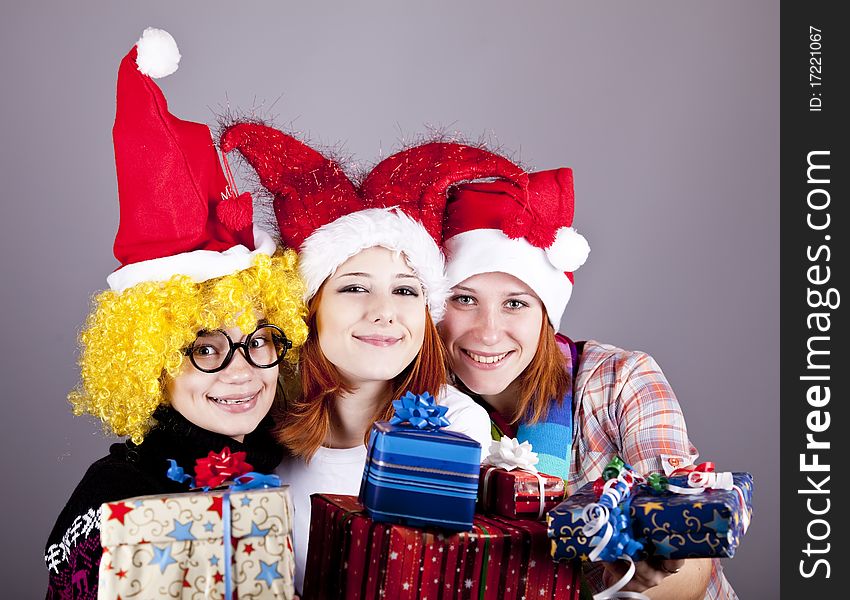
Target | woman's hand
(648,573)
(663,578)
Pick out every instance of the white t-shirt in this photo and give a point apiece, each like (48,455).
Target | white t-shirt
(339,471)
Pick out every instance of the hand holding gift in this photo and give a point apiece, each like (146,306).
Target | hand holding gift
(624,515)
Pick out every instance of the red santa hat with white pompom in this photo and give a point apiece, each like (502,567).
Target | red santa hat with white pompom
(521,226)
(180,215)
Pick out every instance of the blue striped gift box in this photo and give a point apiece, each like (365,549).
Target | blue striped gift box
(421,477)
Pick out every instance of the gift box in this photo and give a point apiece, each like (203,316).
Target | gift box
(421,477)
(668,524)
(173,546)
(350,557)
(517,494)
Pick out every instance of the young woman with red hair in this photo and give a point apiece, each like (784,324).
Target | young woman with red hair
(511,252)
(375,286)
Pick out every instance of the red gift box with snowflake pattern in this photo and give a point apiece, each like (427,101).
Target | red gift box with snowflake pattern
(352,557)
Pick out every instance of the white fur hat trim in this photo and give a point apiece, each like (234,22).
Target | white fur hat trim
(334,243)
(199,265)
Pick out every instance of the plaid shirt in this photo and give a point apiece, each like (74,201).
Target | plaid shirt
(623,405)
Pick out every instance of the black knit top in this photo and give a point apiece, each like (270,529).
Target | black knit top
(73,549)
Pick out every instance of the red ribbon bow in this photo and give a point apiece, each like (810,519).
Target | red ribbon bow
(215,469)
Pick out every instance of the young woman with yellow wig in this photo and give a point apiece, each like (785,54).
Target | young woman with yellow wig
(182,354)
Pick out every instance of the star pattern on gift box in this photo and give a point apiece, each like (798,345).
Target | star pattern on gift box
(718,523)
(246,501)
(393,555)
(405,586)
(118,511)
(182,531)
(215,505)
(121,574)
(218,577)
(663,547)
(650,506)
(248,549)
(257,532)
(162,558)
(213,561)
(268,572)
(209,526)
(467,584)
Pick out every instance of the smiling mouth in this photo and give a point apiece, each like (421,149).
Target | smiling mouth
(382,341)
(233,400)
(491,359)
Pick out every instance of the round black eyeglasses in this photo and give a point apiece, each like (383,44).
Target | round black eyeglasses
(213,350)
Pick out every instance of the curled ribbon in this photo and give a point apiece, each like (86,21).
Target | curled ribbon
(608,520)
(509,454)
(704,478)
(613,592)
(420,410)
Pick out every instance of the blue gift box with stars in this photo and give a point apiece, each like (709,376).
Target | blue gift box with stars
(667,524)
(170,542)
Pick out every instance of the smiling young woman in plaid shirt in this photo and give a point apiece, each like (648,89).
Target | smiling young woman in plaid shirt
(511,252)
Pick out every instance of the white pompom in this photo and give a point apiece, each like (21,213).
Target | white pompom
(157,54)
(569,251)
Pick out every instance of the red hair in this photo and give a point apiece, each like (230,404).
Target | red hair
(306,421)
(544,380)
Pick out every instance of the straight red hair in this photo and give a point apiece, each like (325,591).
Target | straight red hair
(305,422)
(544,380)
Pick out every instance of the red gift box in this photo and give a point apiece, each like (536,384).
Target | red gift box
(516,493)
(352,557)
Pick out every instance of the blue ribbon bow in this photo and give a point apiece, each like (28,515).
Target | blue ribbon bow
(621,542)
(420,410)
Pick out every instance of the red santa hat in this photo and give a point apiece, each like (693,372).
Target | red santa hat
(520,226)
(179,215)
(399,205)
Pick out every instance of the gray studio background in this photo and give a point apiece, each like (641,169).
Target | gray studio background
(667,111)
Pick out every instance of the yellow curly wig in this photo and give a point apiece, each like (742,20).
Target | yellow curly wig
(134,337)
